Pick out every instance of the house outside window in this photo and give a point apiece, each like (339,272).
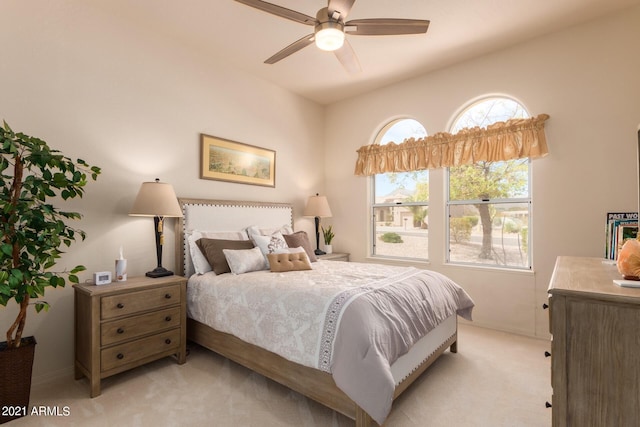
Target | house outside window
(489,203)
(400,202)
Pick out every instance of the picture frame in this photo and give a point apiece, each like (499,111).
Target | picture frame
(231,161)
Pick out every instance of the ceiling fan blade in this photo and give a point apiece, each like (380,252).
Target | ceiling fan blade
(343,7)
(385,26)
(348,58)
(292,48)
(280,11)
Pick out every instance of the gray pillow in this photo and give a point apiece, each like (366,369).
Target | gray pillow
(300,239)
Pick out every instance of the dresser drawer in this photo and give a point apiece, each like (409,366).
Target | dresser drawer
(132,327)
(126,324)
(131,352)
(134,302)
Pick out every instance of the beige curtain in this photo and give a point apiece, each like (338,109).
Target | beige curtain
(513,139)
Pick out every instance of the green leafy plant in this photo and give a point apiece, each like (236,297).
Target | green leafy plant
(33,231)
(391,237)
(328,235)
(460,228)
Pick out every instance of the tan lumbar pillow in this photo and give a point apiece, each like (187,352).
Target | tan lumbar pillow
(289,262)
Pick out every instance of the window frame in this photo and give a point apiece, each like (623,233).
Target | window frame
(373,246)
(517,200)
(499,201)
(373,205)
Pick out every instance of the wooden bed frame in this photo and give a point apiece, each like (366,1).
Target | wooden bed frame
(312,383)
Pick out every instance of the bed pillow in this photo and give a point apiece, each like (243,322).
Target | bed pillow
(296,261)
(212,250)
(269,244)
(289,250)
(245,260)
(198,260)
(301,239)
(253,229)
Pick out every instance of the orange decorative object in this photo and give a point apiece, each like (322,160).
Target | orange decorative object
(629,260)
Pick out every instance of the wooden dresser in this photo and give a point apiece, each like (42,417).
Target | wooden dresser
(595,348)
(122,325)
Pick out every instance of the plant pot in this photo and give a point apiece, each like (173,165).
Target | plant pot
(15,378)
(328,249)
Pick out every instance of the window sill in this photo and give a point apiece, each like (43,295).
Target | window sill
(397,261)
(489,268)
(428,264)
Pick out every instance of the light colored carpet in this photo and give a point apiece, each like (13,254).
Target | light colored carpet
(495,379)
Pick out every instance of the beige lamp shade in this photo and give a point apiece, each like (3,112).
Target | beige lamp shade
(156,199)
(317,206)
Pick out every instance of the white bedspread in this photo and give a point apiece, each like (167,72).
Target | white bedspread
(285,313)
(366,315)
(281,312)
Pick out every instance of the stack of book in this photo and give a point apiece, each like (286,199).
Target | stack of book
(620,226)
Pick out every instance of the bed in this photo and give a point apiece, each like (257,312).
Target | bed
(323,367)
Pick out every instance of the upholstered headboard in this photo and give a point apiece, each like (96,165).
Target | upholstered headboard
(224,216)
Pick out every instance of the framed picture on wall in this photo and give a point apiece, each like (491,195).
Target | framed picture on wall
(225,160)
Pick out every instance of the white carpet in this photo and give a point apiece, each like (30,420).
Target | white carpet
(495,379)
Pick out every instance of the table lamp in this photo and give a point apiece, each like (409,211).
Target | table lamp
(317,207)
(157,199)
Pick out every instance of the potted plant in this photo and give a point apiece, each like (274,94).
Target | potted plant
(328,237)
(32,235)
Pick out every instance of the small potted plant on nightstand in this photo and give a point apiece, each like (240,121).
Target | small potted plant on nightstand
(328,238)
(32,233)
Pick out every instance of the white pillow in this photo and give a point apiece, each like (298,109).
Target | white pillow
(245,260)
(253,229)
(200,263)
(268,244)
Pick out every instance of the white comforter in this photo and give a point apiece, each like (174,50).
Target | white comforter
(366,315)
(281,312)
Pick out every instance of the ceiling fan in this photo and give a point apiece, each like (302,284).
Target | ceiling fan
(330,28)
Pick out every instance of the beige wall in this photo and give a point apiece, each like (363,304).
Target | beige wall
(586,79)
(134,103)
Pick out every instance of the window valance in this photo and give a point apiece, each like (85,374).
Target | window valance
(513,139)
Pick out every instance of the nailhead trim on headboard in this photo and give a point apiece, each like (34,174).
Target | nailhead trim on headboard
(224,215)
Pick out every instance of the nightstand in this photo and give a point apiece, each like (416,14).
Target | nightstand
(335,256)
(122,325)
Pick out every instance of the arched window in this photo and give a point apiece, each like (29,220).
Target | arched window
(489,203)
(400,201)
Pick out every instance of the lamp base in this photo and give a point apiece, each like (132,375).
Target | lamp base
(319,252)
(159,272)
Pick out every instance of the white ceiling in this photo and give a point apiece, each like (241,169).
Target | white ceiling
(459,30)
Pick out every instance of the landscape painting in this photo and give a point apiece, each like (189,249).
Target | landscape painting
(226,160)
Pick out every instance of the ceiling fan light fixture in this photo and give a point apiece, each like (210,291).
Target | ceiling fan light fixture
(329,29)
(329,36)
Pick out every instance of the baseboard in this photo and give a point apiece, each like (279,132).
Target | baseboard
(54,376)
(496,327)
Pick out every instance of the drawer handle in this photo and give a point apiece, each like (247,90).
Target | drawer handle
(547,354)
(167,341)
(167,296)
(120,305)
(547,405)
(120,331)
(168,318)
(120,356)
(545,306)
